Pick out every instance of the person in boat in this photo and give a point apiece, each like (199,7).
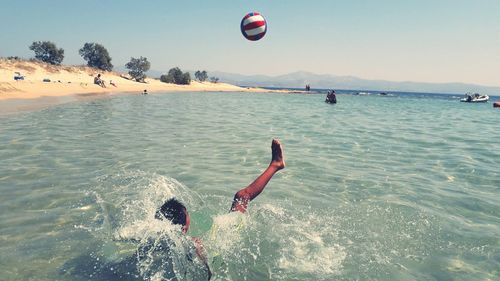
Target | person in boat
(177,213)
(331,97)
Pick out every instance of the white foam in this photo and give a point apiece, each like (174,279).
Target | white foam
(302,244)
(141,194)
(268,236)
(309,246)
(225,236)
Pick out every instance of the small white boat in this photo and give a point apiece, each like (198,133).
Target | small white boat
(475,98)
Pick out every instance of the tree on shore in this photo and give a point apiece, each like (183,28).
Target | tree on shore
(138,67)
(176,76)
(214,79)
(96,56)
(202,76)
(47,51)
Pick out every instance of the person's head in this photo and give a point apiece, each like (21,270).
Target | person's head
(99,75)
(175,212)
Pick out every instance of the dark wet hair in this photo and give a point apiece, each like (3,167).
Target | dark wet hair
(172,210)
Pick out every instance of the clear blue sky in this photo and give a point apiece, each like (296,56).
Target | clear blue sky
(398,40)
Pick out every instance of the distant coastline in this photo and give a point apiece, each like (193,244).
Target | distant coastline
(326,81)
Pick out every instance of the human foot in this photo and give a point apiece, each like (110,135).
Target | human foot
(277,160)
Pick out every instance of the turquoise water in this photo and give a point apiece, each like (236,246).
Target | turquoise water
(375,188)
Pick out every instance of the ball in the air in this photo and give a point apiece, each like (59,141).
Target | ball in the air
(253,26)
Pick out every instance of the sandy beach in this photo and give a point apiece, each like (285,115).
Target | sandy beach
(76,80)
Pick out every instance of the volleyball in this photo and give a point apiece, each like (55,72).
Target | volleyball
(253,26)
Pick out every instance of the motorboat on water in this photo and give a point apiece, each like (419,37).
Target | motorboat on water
(475,98)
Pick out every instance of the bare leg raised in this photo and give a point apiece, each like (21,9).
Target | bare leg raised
(247,194)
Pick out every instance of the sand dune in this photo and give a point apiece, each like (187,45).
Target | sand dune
(72,80)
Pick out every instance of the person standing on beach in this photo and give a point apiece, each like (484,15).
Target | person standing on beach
(177,213)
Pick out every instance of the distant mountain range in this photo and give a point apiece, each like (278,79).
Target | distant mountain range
(326,81)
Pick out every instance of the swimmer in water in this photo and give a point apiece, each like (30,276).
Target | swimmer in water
(177,213)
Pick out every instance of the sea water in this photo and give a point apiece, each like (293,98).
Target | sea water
(400,187)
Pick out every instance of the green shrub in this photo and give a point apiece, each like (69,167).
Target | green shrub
(96,56)
(138,67)
(201,75)
(47,51)
(175,76)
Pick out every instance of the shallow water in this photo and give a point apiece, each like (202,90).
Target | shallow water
(376,188)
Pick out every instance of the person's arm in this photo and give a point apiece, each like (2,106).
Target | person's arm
(200,252)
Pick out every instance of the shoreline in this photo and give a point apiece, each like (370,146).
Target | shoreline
(32,102)
(44,85)
(33,90)
(9,106)
(41,79)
